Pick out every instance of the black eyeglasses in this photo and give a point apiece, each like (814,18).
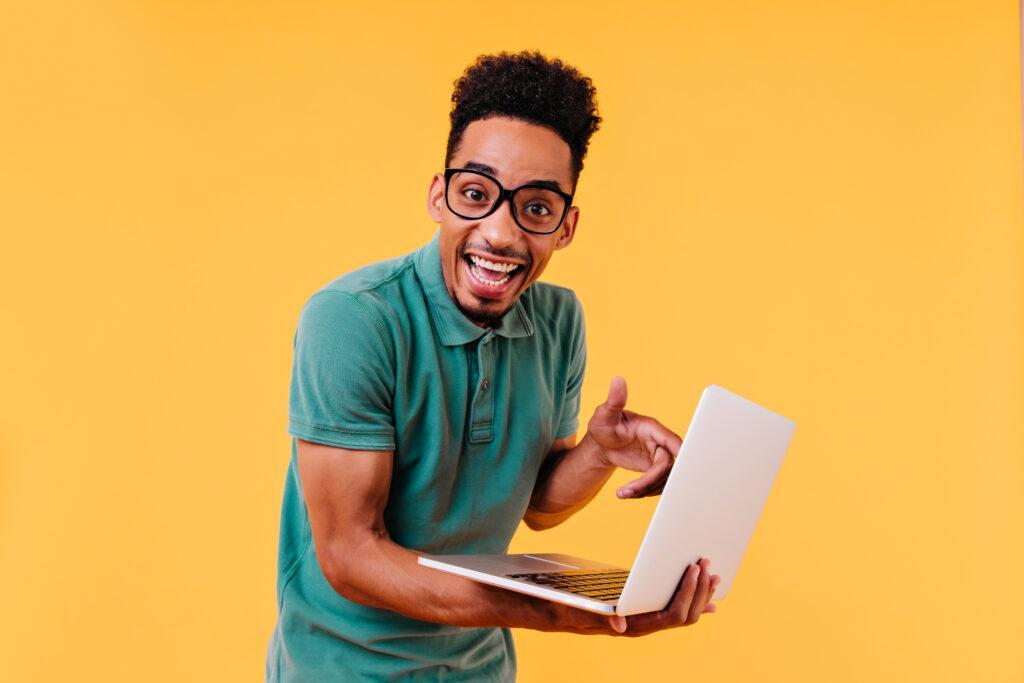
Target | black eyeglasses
(474,195)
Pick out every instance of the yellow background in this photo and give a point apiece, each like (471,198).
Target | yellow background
(817,205)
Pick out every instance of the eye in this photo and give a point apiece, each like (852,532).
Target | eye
(474,194)
(536,209)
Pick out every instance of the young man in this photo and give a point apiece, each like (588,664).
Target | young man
(434,405)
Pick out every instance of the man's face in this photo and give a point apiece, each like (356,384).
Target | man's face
(476,253)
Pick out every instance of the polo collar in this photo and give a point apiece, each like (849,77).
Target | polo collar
(455,328)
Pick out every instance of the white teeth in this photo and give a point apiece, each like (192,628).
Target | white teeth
(479,277)
(490,265)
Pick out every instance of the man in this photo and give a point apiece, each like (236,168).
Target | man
(434,405)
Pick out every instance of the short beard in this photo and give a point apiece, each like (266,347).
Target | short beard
(480,317)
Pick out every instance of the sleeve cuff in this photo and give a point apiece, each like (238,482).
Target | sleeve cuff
(567,429)
(339,438)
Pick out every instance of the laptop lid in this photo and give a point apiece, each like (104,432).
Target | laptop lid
(714,495)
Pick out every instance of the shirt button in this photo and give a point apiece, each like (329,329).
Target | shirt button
(484,385)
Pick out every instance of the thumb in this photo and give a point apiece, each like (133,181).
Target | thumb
(616,398)
(618,623)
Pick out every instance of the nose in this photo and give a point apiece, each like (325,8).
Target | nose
(500,229)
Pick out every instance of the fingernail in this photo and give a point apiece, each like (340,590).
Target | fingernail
(627,492)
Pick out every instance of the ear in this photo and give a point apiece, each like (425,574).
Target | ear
(568,229)
(435,198)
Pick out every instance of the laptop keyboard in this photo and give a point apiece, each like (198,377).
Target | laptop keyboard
(599,584)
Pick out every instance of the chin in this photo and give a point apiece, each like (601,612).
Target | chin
(489,314)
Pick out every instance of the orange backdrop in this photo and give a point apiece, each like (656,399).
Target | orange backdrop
(817,205)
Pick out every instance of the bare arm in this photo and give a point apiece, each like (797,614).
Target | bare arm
(616,437)
(346,492)
(572,476)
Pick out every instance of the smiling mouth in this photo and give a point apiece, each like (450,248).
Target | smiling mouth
(490,273)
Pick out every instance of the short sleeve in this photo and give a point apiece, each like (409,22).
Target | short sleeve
(343,376)
(570,422)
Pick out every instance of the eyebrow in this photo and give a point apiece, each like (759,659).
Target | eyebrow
(490,170)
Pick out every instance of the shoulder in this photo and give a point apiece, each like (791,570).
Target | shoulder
(373,277)
(367,293)
(555,306)
(355,306)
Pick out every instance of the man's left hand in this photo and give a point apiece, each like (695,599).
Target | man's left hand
(635,442)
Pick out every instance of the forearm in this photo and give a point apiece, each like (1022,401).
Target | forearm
(573,481)
(378,572)
(361,562)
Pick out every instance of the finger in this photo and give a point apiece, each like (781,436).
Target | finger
(666,438)
(715,580)
(680,605)
(700,597)
(658,434)
(618,623)
(652,480)
(611,409)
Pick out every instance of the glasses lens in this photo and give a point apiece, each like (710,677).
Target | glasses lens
(539,210)
(471,195)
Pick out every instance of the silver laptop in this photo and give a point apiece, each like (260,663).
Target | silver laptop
(708,509)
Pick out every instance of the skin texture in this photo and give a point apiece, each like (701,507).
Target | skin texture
(520,152)
(355,551)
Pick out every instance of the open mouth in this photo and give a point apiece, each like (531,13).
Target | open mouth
(491,277)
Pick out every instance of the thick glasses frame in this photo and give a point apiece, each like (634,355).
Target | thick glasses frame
(504,194)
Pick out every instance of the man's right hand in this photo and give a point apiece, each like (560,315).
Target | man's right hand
(691,599)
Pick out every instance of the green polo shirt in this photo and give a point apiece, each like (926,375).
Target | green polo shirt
(385,361)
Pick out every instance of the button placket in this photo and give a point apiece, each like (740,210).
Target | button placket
(482,411)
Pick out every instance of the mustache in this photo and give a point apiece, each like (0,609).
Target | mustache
(507,253)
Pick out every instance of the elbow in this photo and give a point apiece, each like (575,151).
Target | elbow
(338,569)
(539,521)
(334,568)
(533,525)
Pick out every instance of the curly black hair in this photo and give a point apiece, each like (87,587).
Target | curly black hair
(527,86)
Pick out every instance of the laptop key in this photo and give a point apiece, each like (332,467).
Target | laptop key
(584,581)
